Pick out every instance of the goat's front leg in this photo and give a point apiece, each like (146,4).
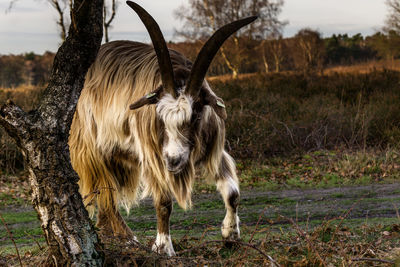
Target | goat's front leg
(163,243)
(228,186)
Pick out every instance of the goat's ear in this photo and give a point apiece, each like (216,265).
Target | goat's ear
(151,98)
(219,108)
(217,104)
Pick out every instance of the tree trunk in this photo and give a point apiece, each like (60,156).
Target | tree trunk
(266,66)
(264,55)
(42,135)
(235,71)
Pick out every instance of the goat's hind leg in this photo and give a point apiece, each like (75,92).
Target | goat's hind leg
(109,219)
(228,186)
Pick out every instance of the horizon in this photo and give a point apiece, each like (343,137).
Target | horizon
(41,34)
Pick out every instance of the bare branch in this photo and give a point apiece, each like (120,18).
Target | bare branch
(107,22)
(15,122)
(240,243)
(60,11)
(12,239)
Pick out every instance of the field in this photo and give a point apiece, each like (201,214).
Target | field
(319,165)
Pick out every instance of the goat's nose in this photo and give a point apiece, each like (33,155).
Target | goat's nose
(174,161)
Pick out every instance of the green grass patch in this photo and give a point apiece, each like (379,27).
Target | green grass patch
(7,199)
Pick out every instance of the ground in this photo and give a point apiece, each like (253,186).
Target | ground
(323,208)
(273,221)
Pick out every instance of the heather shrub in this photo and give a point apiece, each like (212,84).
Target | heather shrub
(11,160)
(292,113)
(284,113)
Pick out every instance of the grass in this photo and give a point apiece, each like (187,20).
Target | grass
(270,217)
(291,226)
(335,241)
(322,169)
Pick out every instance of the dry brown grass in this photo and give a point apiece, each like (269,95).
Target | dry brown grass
(24,96)
(365,67)
(359,68)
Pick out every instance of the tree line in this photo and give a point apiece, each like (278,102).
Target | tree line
(305,52)
(25,69)
(257,48)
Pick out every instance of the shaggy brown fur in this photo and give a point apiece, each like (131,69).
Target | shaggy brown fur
(118,152)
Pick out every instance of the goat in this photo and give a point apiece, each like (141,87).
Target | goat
(145,121)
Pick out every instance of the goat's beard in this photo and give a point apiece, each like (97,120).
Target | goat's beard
(182,183)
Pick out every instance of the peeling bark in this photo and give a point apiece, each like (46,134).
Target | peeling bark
(42,135)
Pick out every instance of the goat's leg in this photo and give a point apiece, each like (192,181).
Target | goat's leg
(110,221)
(163,242)
(228,186)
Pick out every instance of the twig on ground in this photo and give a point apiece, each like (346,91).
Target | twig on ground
(188,231)
(258,222)
(344,217)
(205,232)
(12,239)
(298,229)
(397,211)
(37,243)
(255,230)
(373,259)
(235,242)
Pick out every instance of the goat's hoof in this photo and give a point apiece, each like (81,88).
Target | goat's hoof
(230,232)
(164,249)
(163,245)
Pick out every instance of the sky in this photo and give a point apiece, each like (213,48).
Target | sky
(30,24)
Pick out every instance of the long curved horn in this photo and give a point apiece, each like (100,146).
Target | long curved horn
(157,38)
(208,52)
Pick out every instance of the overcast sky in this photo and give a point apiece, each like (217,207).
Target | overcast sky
(30,25)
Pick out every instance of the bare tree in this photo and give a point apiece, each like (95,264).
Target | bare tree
(63,8)
(308,50)
(393,18)
(42,136)
(203,17)
(272,50)
(388,44)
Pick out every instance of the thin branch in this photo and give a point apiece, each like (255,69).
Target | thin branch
(373,259)
(95,192)
(60,22)
(34,239)
(235,242)
(301,232)
(107,23)
(12,239)
(255,230)
(15,121)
